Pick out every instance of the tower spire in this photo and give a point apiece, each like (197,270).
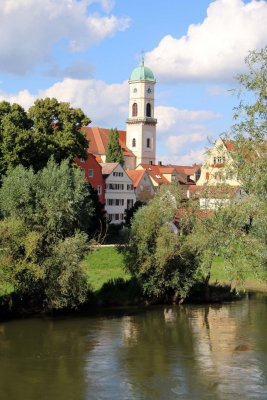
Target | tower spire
(142,57)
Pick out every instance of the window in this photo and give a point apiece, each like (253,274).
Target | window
(134,143)
(197,175)
(82,160)
(134,110)
(91,173)
(148,143)
(115,186)
(99,189)
(129,204)
(117,173)
(129,187)
(148,110)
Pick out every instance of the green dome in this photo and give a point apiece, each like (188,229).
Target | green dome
(142,73)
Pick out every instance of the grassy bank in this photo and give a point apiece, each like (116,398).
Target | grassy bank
(109,282)
(103,265)
(106,264)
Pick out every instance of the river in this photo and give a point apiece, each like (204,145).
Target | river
(177,352)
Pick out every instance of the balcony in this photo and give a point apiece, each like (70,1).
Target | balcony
(144,120)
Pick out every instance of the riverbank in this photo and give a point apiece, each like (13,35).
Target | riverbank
(110,285)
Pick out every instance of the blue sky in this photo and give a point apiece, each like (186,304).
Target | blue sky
(83,51)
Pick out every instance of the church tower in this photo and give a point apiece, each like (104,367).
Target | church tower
(141,124)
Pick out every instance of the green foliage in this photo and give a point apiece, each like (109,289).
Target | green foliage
(114,150)
(98,226)
(49,128)
(41,244)
(159,259)
(238,231)
(129,213)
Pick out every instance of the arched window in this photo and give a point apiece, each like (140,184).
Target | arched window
(148,110)
(134,110)
(134,142)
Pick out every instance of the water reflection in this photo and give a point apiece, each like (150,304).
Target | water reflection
(188,352)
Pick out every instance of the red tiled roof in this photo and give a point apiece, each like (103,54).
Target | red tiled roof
(186,169)
(136,175)
(219,191)
(229,144)
(98,140)
(107,168)
(158,169)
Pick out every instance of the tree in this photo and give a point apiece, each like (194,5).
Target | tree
(238,232)
(42,234)
(49,128)
(114,150)
(129,213)
(158,258)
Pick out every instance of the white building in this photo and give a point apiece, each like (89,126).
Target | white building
(141,124)
(119,192)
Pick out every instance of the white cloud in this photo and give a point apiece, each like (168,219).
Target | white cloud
(106,105)
(30,28)
(171,118)
(189,157)
(214,49)
(174,143)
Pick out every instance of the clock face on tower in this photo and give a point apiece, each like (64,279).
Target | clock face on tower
(135,90)
(149,90)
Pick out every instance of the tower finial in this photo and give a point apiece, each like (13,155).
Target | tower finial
(142,57)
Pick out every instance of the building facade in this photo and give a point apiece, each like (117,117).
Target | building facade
(119,192)
(141,123)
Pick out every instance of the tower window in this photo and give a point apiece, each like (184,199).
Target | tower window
(148,110)
(134,143)
(134,110)
(148,143)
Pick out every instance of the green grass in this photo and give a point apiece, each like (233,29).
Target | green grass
(103,265)
(219,275)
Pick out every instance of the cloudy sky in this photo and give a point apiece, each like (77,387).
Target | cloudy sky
(83,52)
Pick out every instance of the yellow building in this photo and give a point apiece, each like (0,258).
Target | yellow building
(219,167)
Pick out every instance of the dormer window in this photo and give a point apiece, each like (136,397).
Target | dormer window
(134,110)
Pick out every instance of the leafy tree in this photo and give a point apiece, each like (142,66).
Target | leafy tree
(129,213)
(158,258)
(238,232)
(42,233)
(49,128)
(98,226)
(114,150)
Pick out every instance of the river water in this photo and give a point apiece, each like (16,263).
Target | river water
(187,352)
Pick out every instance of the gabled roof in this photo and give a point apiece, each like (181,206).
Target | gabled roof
(158,169)
(98,140)
(136,175)
(107,168)
(186,169)
(229,144)
(157,172)
(216,192)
